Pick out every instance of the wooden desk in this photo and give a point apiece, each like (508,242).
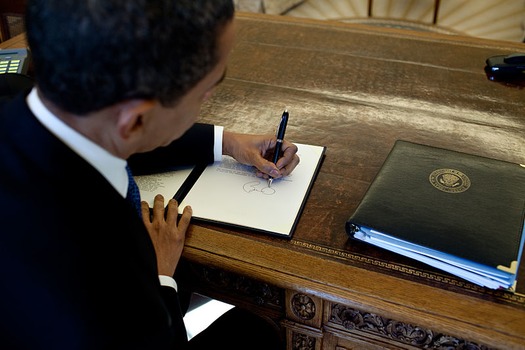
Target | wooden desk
(15,42)
(357,89)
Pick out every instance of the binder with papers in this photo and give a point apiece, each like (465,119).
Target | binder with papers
(458,212)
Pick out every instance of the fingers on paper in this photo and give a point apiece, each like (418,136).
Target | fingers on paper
(184,221)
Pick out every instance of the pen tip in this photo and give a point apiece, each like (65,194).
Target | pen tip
(270,180)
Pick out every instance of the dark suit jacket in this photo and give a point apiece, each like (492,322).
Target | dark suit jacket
(77,267)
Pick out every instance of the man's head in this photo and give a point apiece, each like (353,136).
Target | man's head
(91,54)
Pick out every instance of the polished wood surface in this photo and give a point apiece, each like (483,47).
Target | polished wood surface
(357,89)
(16,42)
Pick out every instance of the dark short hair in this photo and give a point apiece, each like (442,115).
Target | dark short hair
(90,54)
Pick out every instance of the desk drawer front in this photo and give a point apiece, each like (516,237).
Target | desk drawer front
(355,325)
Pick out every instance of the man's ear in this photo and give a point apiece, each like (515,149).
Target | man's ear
(130,116)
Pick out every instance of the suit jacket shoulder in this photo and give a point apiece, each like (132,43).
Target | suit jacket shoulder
(194,147)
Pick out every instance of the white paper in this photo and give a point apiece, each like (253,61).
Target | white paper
(231,193)
(166,184)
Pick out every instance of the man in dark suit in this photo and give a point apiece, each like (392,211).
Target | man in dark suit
(118,83)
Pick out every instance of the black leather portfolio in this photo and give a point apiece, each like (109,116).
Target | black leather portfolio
(458,212)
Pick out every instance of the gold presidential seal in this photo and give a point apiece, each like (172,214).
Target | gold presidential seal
(449,180)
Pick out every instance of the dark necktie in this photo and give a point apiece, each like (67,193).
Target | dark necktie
(133,192)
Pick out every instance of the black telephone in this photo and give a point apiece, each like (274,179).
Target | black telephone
(14,61)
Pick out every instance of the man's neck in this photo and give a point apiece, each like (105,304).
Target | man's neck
(99,127)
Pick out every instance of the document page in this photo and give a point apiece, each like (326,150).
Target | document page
(167,184)
(229,192)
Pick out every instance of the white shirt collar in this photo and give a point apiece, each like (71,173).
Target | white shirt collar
(111,167)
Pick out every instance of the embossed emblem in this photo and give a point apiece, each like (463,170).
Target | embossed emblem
(449,180)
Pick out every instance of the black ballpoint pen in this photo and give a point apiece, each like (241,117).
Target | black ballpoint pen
(280,137)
